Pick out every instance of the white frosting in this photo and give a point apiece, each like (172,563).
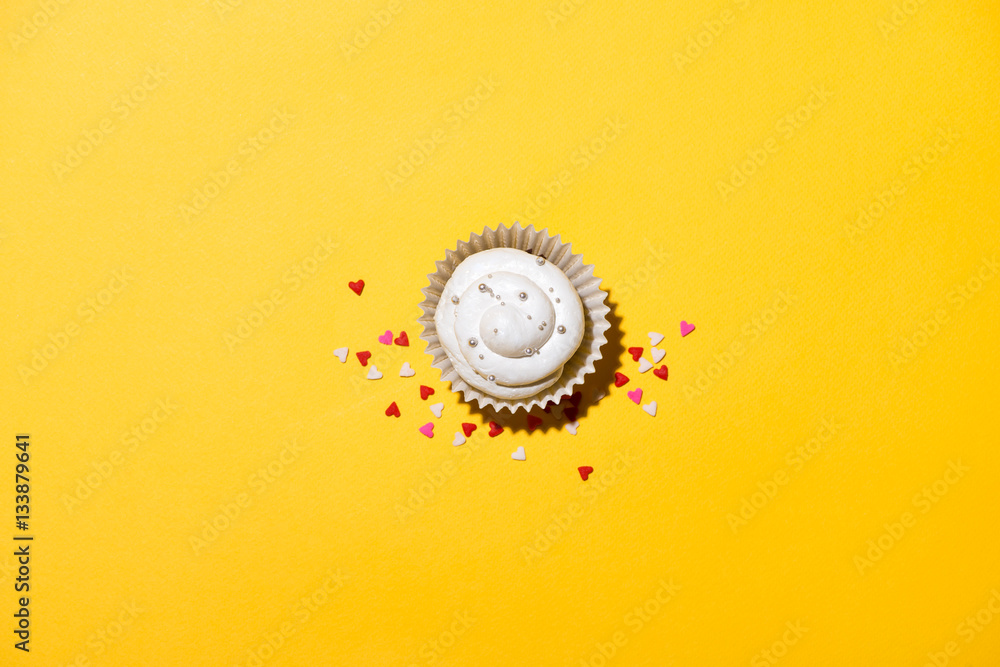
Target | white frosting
(509,323)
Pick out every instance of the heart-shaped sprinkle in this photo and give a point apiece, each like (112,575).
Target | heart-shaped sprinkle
(661,372)
(357,287)
(686,328)
(644,365)
(621,379)
(636,395)
(436,409)
(657,354)
(654,338)
(570,413)
(575,399)
(425,391)
(495,429)
(518,455)
(557,410)
(402,340)
(341,353)
(459,439)
(571,427)
(468,428)
(386,338)
(585,472)
(427,429)
(373,373)
(363,357)
(406,371)
(650,409)
(636,352)
(533,422)
(392,410)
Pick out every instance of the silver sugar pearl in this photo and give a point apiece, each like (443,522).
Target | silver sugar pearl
(551,290)
(473,342)
(528,351)
(496,331)
(454,300)
(482,287)
(561,329)
(480,356)
(557,299)
(541,328)
(539,261)
(529,317)
(492,378)
(523,296)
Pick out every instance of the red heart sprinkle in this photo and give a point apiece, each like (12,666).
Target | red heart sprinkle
(468,428)
(621,379)
(495,429)
(357,287)
(661,372)
(575,399)
(402,340)
(585,472)
(533,422)
(636,352)
(363,357)
(392,410)
(570,414)
(425,392)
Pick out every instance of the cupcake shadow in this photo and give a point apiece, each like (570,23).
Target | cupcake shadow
(596,386)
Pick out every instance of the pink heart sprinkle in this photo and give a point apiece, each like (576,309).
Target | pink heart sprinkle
(427,429)
(386,338)
(686,328)
(636,395)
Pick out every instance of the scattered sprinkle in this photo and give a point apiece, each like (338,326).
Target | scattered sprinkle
(459,439)
(644,365)
(363,357)
(518,455)
(495,429)
(585,472)
(392,410)
(533,422)
(357,287)
(386,338)
(636,395)
(571,427)
(406,371)
(373,373)
(621,379)
(437,409)
(657,354)
(661,372)
(636,352)
(402,340)
(650,409)
(655,338)
(686,328)
(425,391)
(468,428)
(341,353)
(427,429)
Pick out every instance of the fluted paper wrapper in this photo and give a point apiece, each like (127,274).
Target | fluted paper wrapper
(581,275)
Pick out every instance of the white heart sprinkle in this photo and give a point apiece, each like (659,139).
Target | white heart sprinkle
(459,439)
(406,371)
(644,365)
(654,338)
(650,409)
(571,427)
(557,410)
(436,409)
(518,455)
(341,353)
(657,354)
(373,373)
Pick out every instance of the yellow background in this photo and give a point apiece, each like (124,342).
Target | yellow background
(116,577)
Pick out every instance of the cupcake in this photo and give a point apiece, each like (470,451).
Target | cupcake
(514,319)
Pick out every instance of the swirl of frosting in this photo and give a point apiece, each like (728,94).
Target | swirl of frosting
(509,321)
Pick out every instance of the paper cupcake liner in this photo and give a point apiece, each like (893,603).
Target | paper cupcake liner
(581,275)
